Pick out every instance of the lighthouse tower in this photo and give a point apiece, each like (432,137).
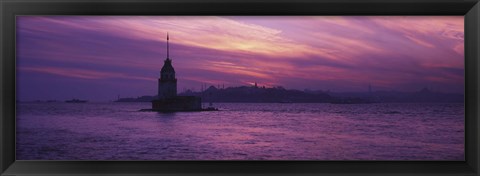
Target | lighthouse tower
(167,83)
(168,101)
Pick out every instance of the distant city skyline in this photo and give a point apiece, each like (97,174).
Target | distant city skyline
(100,57)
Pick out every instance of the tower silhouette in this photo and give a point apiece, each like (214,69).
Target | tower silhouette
(168,101)
(167,83)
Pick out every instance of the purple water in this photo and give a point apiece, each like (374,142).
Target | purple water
(241,131)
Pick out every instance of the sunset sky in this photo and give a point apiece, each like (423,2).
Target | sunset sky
(100,57)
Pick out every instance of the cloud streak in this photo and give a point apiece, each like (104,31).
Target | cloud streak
(82,74)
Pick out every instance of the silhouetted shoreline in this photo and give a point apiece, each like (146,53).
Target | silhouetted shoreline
(253,94)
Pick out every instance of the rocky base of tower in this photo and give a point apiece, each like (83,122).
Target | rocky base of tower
(168,111)
(178,104)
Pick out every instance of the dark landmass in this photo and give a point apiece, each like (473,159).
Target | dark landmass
(422,96)
(260,95)
(75,101)
(254,94)
(246,94)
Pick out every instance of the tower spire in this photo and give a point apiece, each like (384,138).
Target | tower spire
(168,54)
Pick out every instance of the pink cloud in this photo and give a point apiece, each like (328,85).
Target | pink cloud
(420,42)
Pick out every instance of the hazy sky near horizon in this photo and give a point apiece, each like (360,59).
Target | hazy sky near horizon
(100,57)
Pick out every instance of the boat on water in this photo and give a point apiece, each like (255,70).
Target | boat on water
(76,101)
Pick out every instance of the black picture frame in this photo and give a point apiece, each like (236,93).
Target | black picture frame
(11,8)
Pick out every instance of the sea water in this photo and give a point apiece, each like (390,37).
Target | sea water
(241,131)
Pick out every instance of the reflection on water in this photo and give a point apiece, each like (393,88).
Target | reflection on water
(241,131)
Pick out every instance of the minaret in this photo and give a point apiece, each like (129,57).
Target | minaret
(167,83)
